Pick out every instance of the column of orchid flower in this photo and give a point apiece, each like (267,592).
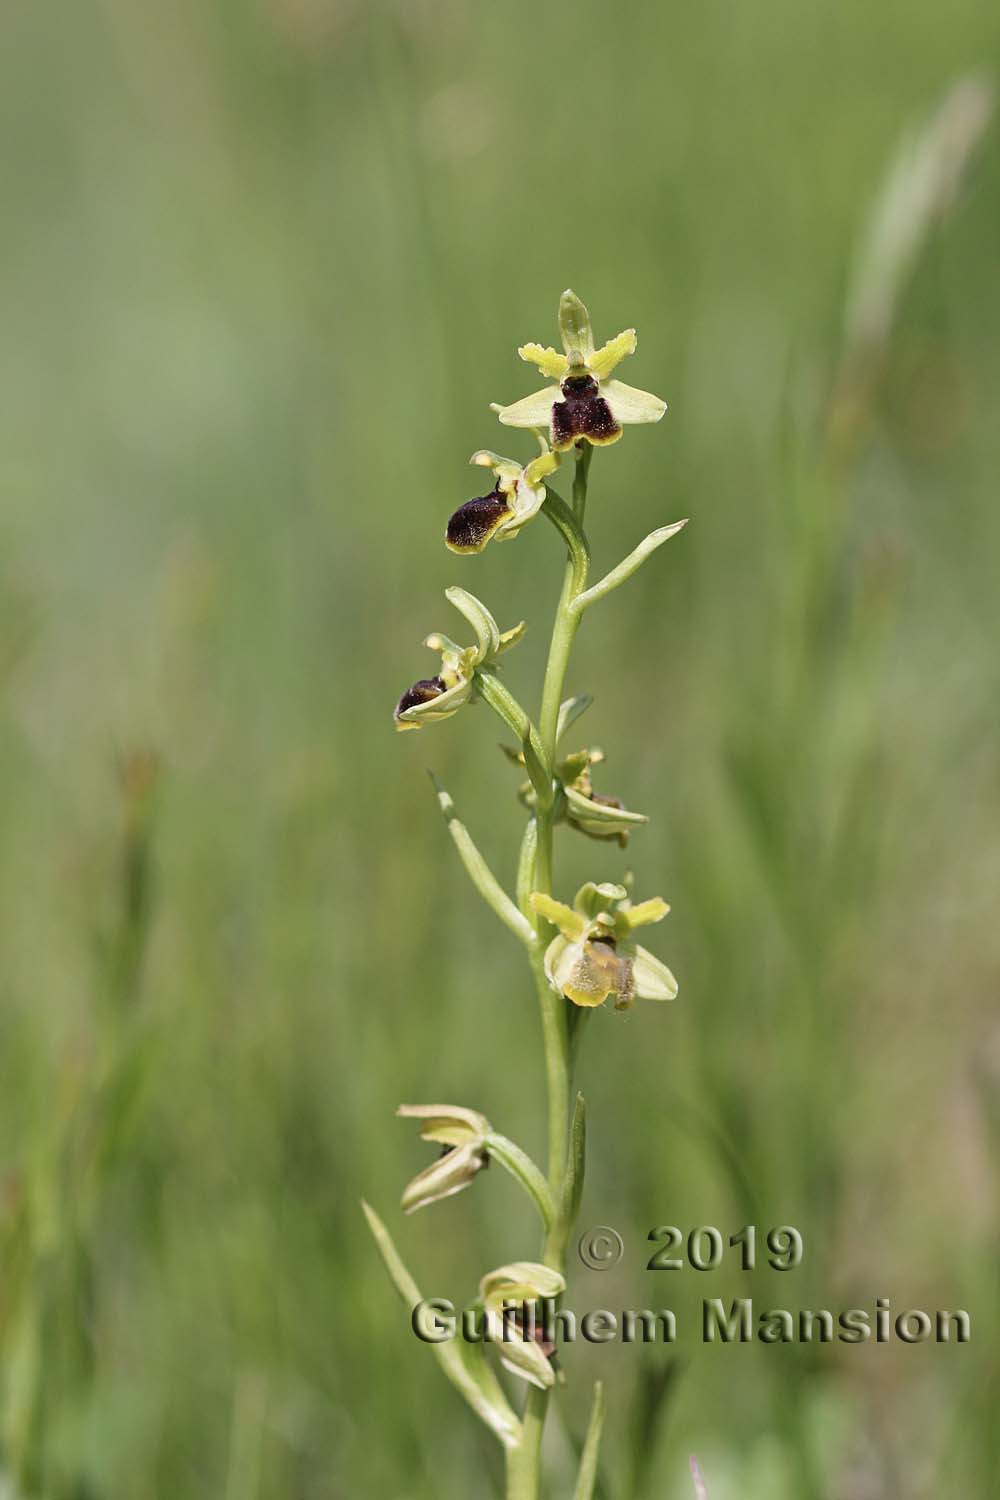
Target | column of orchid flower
(581,954)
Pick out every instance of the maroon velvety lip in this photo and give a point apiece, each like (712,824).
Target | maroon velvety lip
(424,691)
(582,412)
(472,525)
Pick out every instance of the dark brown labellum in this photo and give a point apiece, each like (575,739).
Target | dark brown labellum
(423,691)
(472,525)
(483,1156)
(582,413)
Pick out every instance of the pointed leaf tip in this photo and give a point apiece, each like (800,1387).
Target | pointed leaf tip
(587,1477)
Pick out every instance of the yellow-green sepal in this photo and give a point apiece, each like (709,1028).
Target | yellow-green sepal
(486,629)
(653,980)
(600,819)
(574,328)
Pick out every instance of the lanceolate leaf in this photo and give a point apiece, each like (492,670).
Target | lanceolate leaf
(481,1390)
(587,1477)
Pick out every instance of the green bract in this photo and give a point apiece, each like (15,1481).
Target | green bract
(595,956)
(514,500)
(585,405)
(438,697)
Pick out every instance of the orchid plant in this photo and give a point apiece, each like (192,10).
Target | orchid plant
(582,954)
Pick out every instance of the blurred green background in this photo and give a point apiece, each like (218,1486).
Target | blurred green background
(264,264)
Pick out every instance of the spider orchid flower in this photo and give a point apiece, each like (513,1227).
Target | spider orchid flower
(438,697)
(515,499)
(463,1134)
(583,404)
(594,954)
(596,814)
(509,1295)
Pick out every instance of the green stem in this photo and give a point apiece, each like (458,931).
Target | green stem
(524,1460)
(555,1038)
(524,1471)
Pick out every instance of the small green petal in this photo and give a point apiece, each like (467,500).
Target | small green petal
(437,641)
(570,923)
(549,361)
(536,471)
(611,354)
(506,469)
(653,910)
(510,638)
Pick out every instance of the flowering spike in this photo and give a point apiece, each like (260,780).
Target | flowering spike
(585,952)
